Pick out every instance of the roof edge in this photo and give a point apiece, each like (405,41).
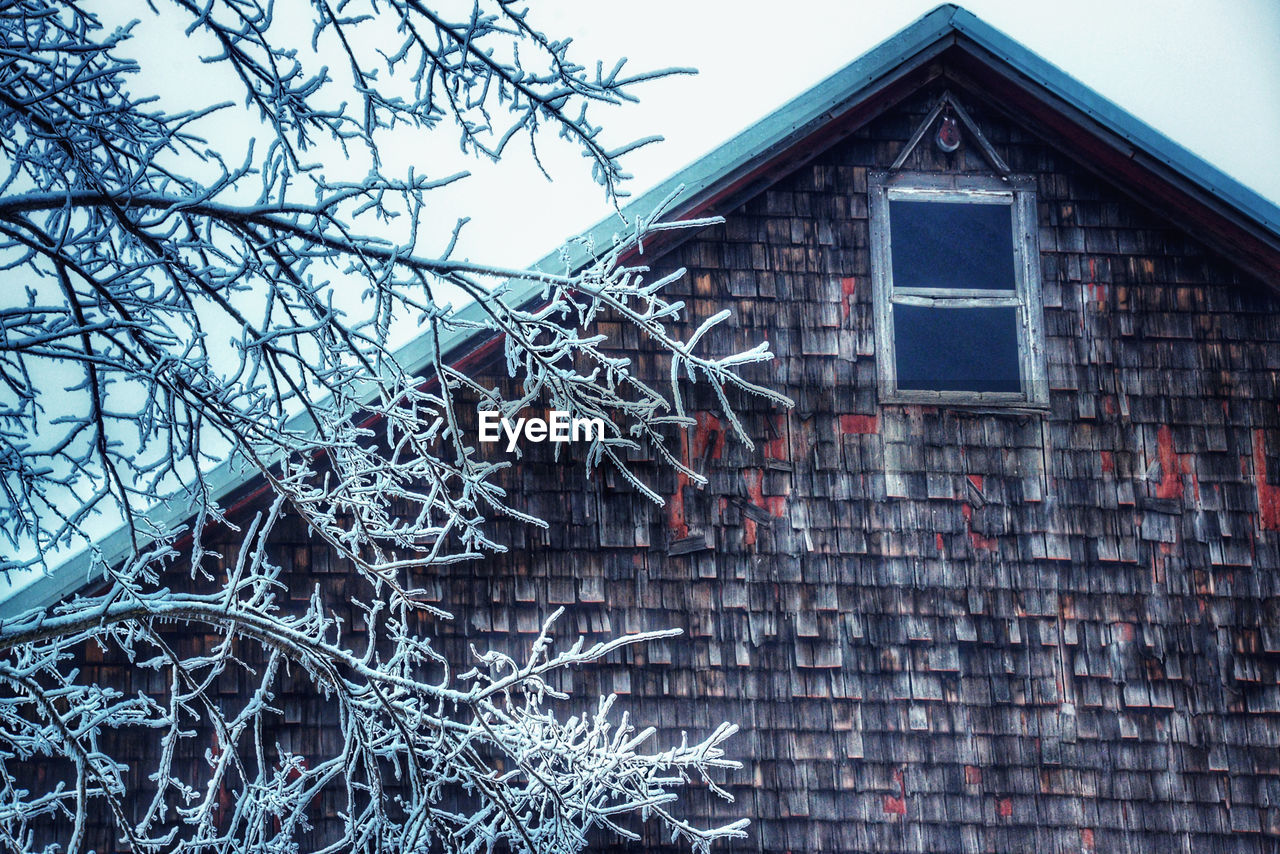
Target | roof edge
(1107,114)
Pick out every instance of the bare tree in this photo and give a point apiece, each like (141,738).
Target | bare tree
(193,300)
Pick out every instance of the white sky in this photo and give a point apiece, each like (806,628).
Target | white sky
(1206,74)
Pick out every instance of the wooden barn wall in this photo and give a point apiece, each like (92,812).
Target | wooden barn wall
(939,630)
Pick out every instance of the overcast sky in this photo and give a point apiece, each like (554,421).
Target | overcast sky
(1206,74)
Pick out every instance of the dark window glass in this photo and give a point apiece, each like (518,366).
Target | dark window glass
(950,245)
(956,349)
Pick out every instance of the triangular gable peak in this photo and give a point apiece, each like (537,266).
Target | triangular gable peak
(948,122)
(966,65)
(976,64)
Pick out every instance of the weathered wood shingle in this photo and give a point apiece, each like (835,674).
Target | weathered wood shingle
(939,629)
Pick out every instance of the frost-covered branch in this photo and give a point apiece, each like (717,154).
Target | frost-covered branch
(529,776)
(169,307)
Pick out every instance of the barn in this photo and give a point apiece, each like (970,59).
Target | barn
(1007,576)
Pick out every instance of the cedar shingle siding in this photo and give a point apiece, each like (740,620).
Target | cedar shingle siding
(945,630)
(939,629)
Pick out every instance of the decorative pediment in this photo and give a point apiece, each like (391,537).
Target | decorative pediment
(949,122)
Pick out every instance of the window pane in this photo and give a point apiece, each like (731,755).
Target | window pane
(956,349)
(951,245)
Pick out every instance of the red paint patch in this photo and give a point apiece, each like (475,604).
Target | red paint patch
(776,449)
(776,505)
(1108,462)
(755,491)
(1123,631)
(1170,485)
(894,806)
(938,540)
(707,432)
(860,424)
(1268,495)
(675,510)
(848,287)
(1004,807)
(1097,291)
(972,775)
(1086,839)
(981,543)
(977,481)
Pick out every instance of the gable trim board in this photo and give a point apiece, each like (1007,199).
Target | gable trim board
(1101,136)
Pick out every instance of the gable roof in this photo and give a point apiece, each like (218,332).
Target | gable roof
(1105,138)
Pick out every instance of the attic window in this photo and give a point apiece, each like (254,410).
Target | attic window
(957,290)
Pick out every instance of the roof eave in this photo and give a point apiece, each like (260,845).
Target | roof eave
(1159,173)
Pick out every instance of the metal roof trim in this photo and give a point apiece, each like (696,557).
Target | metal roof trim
(1117,120)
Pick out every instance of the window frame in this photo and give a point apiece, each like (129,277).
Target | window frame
(1018,192)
